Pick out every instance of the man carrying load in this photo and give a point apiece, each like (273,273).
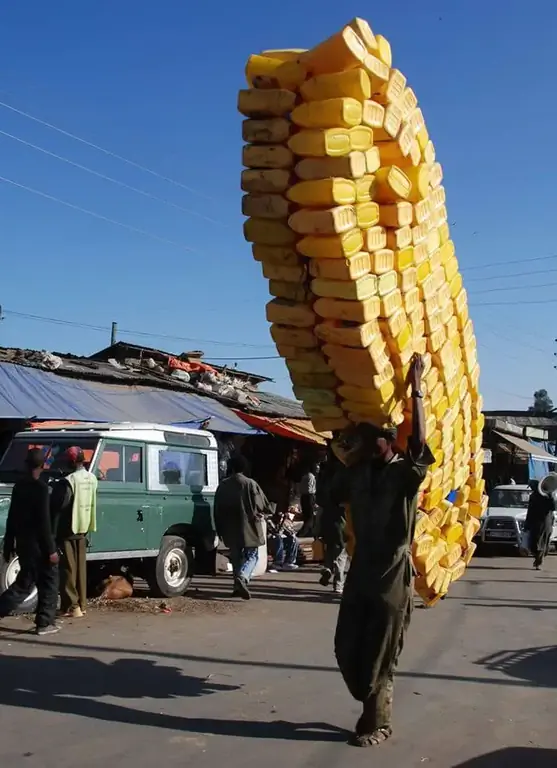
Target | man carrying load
(381,488)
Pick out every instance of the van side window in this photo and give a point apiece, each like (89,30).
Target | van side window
(176,467)
(121,464)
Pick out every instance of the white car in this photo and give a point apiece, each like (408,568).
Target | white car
(504,520)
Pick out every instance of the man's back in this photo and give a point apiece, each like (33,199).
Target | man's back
(238,502)
(29,520)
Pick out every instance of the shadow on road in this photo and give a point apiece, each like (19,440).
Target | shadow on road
(17,636)
(528,605)
(90,678)
(73,685)
(514,757)
(538,666)
(269,590)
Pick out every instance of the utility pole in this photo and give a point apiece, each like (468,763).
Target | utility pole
(112,333)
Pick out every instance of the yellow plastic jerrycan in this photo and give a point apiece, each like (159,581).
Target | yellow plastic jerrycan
(353,83)
(332,142)
(345,50)
(323,192)
(343,112)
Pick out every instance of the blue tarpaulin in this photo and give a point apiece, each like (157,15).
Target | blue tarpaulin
(30,393)
(538,469)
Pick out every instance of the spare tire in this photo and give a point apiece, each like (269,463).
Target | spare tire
(172,571)
(8,574)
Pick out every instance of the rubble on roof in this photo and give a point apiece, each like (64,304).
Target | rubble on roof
(203,379)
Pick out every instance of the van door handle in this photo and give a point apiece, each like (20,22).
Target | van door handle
(139,516)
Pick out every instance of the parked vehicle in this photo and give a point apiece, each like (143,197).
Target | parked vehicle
(155,496)
(504,520)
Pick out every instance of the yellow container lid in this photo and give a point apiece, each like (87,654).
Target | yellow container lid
(392,185)
(361,138)
(367,214)
(373,114)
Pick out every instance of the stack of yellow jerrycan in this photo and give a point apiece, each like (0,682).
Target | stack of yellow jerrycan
(347,216)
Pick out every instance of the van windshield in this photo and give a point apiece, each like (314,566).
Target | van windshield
(12,465)
(510,498)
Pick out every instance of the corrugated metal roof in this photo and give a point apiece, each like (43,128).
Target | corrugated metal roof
(532,450)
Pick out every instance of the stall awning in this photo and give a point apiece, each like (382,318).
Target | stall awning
(31,393)
(293,429)
(536,453)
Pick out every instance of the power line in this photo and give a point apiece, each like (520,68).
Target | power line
(99,215)
(511,303)
(146,334)
(109,178)
(513,274)
(505,263)
(105,151)
(518,342)
(514,288)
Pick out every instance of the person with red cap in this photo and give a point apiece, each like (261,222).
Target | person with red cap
(74,504)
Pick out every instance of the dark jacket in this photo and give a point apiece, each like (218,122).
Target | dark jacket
(240,505)
(29,526)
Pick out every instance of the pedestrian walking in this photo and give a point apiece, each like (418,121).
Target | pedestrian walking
(29,535)
(381,487)
(308,488)
(240,507)
(332,525)
(74,503)
(539,523)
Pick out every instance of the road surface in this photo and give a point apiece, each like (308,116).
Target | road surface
(255,684)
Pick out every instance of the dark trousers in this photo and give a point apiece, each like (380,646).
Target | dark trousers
(73,574)
(37,571)
(307,507)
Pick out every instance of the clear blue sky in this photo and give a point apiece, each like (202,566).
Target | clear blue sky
(157,83)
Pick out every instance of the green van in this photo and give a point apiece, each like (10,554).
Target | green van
(155,497)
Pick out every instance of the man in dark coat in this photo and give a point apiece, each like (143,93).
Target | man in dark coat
(381,489)
(29,535)
(240,506)
(539,523)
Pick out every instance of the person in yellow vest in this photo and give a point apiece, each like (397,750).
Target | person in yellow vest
(74,505)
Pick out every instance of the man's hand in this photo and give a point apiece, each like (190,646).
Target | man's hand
(416,372)
(54,558)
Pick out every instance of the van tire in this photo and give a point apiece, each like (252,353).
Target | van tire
(171,573)
(8,572)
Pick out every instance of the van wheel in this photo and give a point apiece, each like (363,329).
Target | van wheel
(8,574)
(172,571)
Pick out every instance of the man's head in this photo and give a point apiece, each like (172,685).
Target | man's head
(370,442)
(34,461)
(237,465)
(75,457)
